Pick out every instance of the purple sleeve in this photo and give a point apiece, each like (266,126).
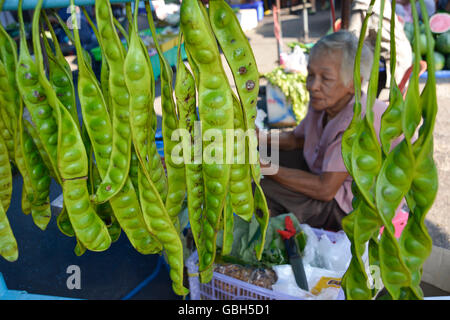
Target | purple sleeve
(333,161)
(299,130)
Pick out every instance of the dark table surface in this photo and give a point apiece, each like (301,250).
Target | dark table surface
(45,256)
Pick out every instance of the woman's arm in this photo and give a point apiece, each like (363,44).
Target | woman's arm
(320,187)
(286,140)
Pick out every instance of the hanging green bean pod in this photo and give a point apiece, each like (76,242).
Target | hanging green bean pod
(60,78)
(176,192)
(42,114)
(216,114)
(415,240)
(241,60)
(125,204)
(185,93)
(119,165)
(72,161)
(8,243)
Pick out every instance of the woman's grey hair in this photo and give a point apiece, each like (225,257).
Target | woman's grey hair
(347,43)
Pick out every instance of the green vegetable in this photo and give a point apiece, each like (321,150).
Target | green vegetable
(293,86)
(422,43)
(241,60)
(306,47)
(71,161)
(439,60)
(119,164)
(125,204)
(216,113)
(175,167)
(407,170)
(245,238)
(60,74)
(443,43)
(8,243)
(185,94)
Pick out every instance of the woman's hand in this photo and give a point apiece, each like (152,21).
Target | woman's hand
(264,163)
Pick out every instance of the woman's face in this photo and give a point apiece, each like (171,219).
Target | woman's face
(326,89)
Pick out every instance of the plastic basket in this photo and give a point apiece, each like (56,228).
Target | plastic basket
(223,287)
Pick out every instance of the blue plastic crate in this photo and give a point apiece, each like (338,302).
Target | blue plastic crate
(440,74)
(258,5)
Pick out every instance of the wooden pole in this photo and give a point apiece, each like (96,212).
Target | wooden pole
(278,27)
(305,22)
(345,14)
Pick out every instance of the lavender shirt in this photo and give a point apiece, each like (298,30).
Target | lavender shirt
(322,146)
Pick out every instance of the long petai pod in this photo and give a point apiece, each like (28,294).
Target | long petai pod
(59,75)
(137,70)
(415,239)
(35,100)
(176,192)
(366,152)
(125,204)
(360,226)
(216,115)
(200,217)
(36,177)
(349,135)
(391,120)
(5,177)
(104,71)
(9,92)
(72,161)
(241,176)
(240,58)
(354,281)
(6,130)
(119,165)
(158,174)
(155,214)
(185,94)
(8,243)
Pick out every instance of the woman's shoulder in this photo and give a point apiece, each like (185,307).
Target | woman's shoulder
(379,106)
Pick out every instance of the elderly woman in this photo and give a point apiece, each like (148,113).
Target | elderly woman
(312,181)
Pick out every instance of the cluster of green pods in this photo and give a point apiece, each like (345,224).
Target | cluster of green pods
(227,187)
(106,159)
(385,173)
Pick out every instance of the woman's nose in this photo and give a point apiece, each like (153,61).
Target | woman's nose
(313,84)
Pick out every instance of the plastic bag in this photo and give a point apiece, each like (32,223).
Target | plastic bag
(309,253)
(323,253)
(286,282)
(260,116)
(334,256)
